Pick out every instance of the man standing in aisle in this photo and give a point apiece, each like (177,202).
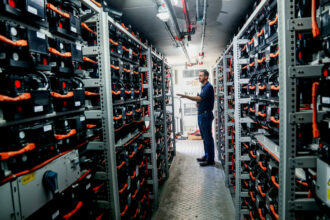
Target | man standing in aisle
(205,103)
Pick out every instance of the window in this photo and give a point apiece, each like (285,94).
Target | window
(190,109)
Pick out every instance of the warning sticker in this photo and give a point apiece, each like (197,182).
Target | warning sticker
(28,178)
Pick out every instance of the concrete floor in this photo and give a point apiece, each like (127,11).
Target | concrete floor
(194,192)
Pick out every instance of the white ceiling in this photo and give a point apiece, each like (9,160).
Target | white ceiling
(141,14)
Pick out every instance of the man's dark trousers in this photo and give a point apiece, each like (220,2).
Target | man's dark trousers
(205,126)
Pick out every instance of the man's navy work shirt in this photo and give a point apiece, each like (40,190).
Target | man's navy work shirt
(207,95)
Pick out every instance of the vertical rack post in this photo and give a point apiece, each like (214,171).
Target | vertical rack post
(288,106)
(152,129)
(173,118)
(165,119)
(225,71)
(237,131)
(107,114)
(218,111)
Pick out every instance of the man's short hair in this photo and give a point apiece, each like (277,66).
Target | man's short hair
(206,73)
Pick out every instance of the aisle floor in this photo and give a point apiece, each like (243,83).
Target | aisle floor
(194,192)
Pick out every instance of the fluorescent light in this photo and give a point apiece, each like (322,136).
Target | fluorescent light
(164,16)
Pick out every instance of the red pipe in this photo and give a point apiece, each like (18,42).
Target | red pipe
(184,5)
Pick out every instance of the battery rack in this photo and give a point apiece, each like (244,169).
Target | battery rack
(79,113)
(280,61)
(170,120)
(304,109)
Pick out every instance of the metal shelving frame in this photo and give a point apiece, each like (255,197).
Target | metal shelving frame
(290,72)
(238,128)
(226,70)
(106,113)
(165,118)
(173,117)
(151,130)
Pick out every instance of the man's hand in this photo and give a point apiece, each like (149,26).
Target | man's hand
(181,95)
(193,98)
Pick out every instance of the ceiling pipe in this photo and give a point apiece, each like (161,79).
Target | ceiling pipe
(171,34)
(201,53)
(185,11)
(179,35)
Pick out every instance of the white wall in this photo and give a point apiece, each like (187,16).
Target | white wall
(188,86)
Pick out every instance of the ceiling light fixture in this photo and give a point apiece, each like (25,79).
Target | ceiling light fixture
(162,13)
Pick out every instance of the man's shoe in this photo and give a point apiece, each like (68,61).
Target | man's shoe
(202,159)
(207,163)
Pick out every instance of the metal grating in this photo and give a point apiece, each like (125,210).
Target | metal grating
(194,192)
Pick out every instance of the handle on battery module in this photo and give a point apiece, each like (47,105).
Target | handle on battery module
(251,64)
(261,32)
(113,42)
(251,215)
(87,93)
(84,25)
(7,155)
(315,27)
(114,67)
(123,213)
(133,176)
(57,53)
(275,88)
(117,117)
(96,3)
(116,93)
(260,214)
(89,126)
(89,60)
(128,92)
(261,60)
(18,43)
(253,155)
(58,11)
(262,87)
(126,70)
(124,48)
(64,136)
(274,182)
(121,165)
(60,96)
(244,48)
(272,118)
(23,97)
(70,214)
(251,175)
(252,197)
(131,155)
(271,23)
(262,114)
(261,192)
(262,167)
(274,55)
(252,87)
(272,209)
(316,132)
(251,41)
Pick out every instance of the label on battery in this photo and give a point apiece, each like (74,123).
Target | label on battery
(77,103)
(41,35)
(73,29)
(82,118)
(47,128)
(78,47)
(28,178)
(38,108)
(88,186)
(326,100)
(32,10)
(55,214)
